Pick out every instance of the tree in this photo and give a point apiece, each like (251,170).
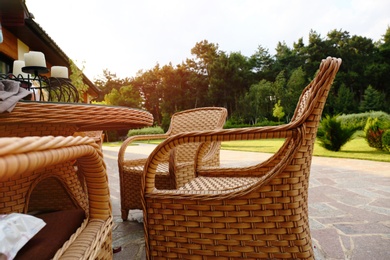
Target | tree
(110,81)
(344,102)
(76,77)
(205,53)
(295,85)
(373,100)
(278,111)
(175,82)
(126,96)
(228,80)
(150,86)
(285,59)
(314,51)
(249,87)
(261,63)
(382,71)
(257,102)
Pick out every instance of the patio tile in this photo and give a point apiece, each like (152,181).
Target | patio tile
(349,207)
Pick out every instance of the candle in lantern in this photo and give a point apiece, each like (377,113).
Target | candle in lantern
(17,69)
(59,72)
(35,59)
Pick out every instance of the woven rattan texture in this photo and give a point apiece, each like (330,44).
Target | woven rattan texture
(178,167)
(84,117)
(29,167)
(261,213)
(33,129)
(61,197)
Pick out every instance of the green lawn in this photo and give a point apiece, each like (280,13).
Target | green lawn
(357,148)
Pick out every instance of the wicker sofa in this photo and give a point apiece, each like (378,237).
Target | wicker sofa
(254,212)
(177,168)
(63,181)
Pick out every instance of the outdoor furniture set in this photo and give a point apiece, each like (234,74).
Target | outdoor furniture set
(48,173)
(194,208)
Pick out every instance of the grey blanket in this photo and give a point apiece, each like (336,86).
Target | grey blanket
(10,94)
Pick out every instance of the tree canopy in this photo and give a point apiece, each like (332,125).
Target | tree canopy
(250,87)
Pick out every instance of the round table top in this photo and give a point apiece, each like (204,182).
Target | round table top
(85,117)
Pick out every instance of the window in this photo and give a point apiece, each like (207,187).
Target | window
(5,64)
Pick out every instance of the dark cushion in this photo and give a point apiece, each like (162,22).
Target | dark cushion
(60,225)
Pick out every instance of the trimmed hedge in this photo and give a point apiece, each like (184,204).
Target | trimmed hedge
(359,120)
(146,131)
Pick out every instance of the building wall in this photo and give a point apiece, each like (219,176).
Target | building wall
(9,46)
(12,49)
(22,49)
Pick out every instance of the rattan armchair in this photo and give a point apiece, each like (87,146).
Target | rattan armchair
(176,168)
(255,212)
(50,175)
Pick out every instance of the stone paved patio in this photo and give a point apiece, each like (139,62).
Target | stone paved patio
(349,207)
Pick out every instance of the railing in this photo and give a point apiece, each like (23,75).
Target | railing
(50,89)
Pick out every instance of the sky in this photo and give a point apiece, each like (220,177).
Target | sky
(128,36)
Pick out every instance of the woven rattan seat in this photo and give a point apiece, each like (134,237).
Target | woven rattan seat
(32,167)
(255,212)
(177,168)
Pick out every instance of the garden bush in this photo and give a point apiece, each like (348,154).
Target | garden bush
(236,124)
(146,131)
(359,120)
(374,129)
(386,140)
(332,135)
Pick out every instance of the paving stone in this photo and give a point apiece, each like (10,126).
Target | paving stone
(379,210)
(381,202)
(347,245)
(360,214)
(363,228)
(370,247)
(350,198)
(349,207)
(324,210)
(314,224)
(329,243)
(326,181)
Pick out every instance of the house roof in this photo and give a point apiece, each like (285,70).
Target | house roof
(15,16)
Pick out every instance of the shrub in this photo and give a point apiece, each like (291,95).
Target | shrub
(386,140)
(146,131)
(374,129)
(237,124)
(332,135)
(359,120)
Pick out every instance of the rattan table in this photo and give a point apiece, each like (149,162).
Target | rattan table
(59,184)
(31,118)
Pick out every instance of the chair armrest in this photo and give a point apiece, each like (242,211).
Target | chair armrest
(24,161)
(128,141)
(293,134)
(24,155)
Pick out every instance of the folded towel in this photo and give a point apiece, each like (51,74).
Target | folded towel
(10,94)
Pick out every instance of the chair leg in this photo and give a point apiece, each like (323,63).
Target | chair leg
(124,214)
